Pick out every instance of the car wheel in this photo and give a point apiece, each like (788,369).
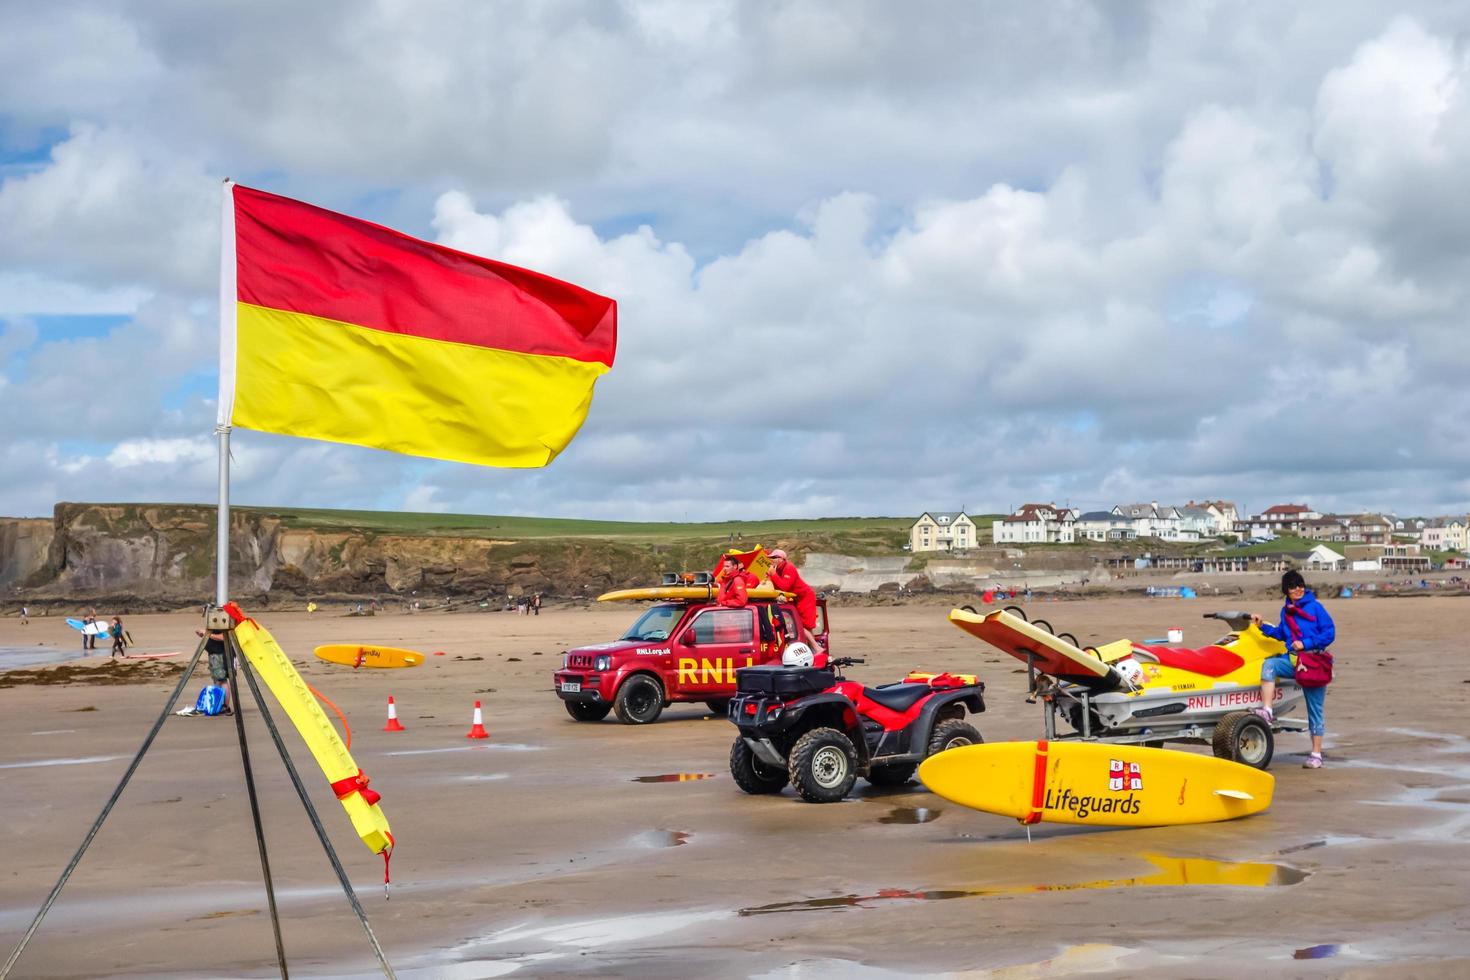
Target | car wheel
(587,710)
(1244,736)
(896,774)
(951,735)
(719,706)
(823,765)
(753,775)
(640,700)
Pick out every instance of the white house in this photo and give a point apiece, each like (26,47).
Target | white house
(1324,559)
(940,530)
(1196,522)
(1444,534)
(1036,524)
(1151,521)
(1103,525)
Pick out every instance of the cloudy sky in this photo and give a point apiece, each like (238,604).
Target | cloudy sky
(871,258)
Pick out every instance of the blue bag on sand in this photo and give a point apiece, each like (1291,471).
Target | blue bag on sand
(211,700)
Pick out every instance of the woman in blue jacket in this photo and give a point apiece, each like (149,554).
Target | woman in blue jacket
(1304,625)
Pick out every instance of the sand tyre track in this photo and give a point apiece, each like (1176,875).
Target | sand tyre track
(897,774)
(952,734)
(823,765)
(586,711)
(640,700)
(753,775)
(1243,736)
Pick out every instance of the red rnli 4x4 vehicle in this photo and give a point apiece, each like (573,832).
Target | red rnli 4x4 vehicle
(683,648)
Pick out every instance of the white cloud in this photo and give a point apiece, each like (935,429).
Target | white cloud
(864,261)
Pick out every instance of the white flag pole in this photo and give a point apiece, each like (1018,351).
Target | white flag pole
(228,295)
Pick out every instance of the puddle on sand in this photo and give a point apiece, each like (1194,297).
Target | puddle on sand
(1321,952)
(661,838)
(79,761)
(910,814)
(674,777)
(1172,872)
(481,747)
(57,731)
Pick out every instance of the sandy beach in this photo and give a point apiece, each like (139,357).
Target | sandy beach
(548,851)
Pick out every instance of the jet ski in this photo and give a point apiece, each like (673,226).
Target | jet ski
(1132,693)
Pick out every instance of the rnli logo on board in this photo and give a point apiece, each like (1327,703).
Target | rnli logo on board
(1124,777)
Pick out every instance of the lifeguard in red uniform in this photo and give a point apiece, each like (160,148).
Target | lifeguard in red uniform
(734,582)
(785,577)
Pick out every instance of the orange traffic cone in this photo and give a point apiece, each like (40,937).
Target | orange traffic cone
(393,723)
(477,730)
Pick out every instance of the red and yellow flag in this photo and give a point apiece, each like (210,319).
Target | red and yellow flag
(339,329)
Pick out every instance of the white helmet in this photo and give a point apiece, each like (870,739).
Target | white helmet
(797,654)
(1131,671)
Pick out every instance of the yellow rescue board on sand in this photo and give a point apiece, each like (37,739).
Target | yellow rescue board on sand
(271,663)
(358,655)
(668,593)
(1096,785)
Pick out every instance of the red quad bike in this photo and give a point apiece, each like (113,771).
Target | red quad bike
(813,728)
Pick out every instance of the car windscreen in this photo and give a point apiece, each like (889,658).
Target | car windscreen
(655,624)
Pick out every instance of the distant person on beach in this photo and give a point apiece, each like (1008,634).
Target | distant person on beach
(219,672)
(734,582)
(536,603)
(25,616)
(1305,626)
(119,640)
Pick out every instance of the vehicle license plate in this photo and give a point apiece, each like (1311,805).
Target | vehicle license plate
(571,687)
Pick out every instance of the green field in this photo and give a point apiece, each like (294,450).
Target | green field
(865,535)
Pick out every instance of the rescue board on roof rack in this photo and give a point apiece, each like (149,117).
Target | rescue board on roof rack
(667,593)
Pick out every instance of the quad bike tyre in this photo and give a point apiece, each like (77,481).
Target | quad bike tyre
(640,700)
(823,766)
(753,775)
(1245,737)
(895,774)
(719,706)
(587,711)
(952,734)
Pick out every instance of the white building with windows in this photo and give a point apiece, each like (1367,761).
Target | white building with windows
(1445,534)
(941,530)
(1036,524)
(1151,521)
(1103,525)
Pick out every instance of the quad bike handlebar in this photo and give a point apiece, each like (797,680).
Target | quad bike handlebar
(845,661)
(1239,621)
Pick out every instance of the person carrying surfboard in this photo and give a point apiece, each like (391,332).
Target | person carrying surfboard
(1305,627)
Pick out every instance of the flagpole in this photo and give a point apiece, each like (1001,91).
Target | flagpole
(222,533)
(227,300)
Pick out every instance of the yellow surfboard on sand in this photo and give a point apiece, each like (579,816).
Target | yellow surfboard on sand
(1095,784)
(360,655)
(271,663)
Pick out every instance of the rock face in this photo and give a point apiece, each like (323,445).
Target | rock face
(24,546)
(166,553)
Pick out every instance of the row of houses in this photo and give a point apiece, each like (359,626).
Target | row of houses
(1049,524)
(1194,521)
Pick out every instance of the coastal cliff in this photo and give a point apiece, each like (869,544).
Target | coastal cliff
(165,553)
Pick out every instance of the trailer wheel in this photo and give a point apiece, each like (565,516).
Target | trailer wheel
(753,775)
(1244,736)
